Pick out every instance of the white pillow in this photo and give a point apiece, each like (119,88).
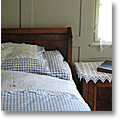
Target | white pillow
(14,50)
(40,50)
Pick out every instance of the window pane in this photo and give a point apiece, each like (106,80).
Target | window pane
(105,20)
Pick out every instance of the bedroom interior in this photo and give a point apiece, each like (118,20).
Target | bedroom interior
(66,26)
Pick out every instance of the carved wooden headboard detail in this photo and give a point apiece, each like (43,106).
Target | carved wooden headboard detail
(50,38)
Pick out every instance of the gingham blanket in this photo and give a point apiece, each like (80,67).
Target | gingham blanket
(35,66)
(31,92)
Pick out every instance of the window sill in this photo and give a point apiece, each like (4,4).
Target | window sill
(98,44)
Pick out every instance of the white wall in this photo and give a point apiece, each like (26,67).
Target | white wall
(10,13)
(57,14)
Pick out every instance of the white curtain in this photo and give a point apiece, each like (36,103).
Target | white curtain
(104,44)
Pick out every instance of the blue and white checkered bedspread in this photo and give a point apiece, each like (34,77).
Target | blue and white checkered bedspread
(22,91)
(30,101)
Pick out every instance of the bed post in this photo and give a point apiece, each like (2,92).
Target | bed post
(70,46)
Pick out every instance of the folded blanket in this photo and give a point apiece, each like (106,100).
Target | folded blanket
(13,80)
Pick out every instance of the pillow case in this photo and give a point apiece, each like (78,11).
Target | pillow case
(29,65)
(23,57)
(56,65)
(40,50)
(14,50)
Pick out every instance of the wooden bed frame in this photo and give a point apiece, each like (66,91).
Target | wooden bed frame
(50,38)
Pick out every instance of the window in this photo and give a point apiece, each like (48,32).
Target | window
(103,21)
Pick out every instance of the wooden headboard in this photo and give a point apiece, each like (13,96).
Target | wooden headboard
(50,38)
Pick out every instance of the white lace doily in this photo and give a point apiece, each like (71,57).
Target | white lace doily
(88,71)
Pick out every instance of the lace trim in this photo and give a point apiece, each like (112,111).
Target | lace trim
(88,71)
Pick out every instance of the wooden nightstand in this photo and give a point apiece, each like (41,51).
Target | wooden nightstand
(95,87)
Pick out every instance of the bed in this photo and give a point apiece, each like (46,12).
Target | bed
(36,71)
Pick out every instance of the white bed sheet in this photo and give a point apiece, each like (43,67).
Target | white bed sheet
(68,69)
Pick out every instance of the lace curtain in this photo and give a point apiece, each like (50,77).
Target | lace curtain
(104,44)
